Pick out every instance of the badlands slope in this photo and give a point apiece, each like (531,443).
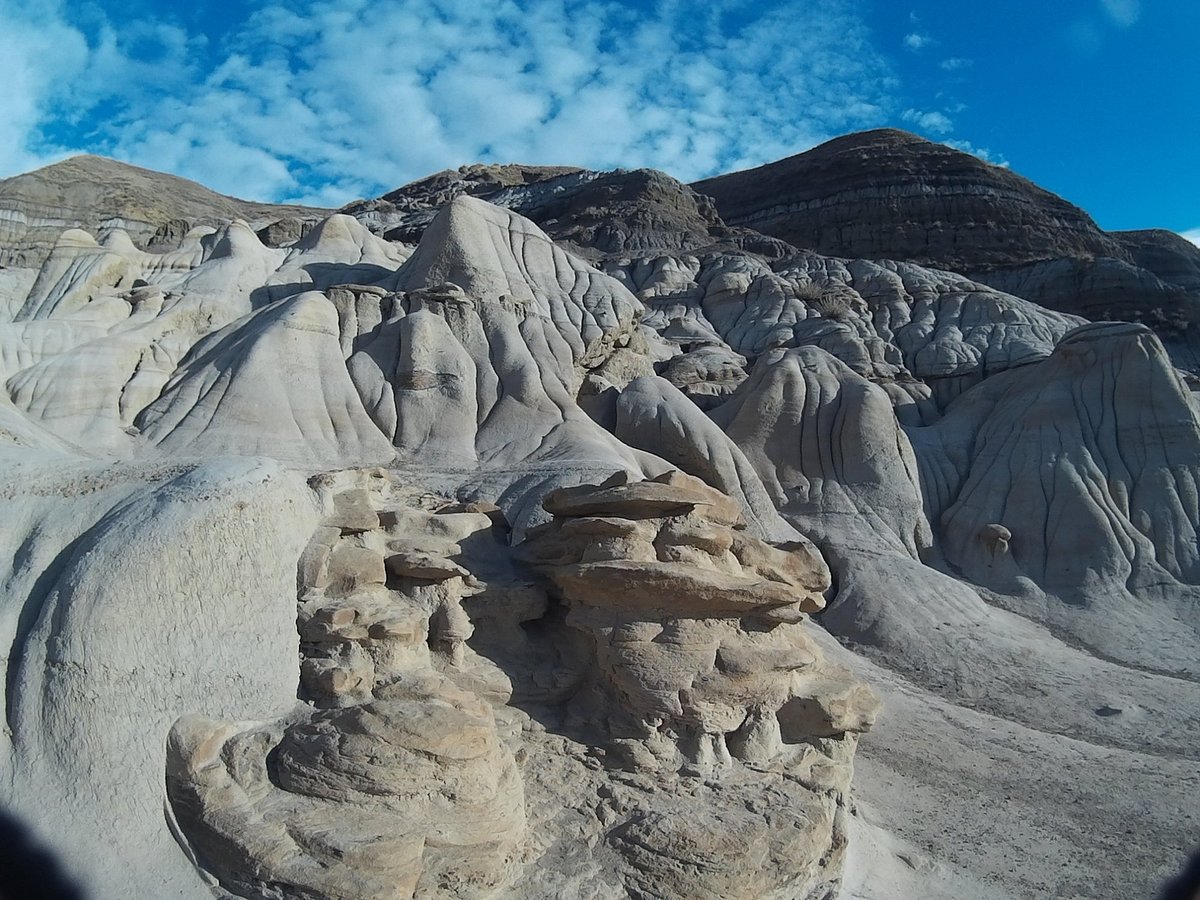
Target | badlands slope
(533,532)
(891,194)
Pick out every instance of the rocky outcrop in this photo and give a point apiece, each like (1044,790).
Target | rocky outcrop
(888,194)
(694,660)
(921,334)
(285,359)
(393,780)
(95,343)
(402,774)
(95,194)
(596,214)
(653,416)
(1166,254)
(560,646)
(1112,514)
(829,450)
(492,331)
(134,595)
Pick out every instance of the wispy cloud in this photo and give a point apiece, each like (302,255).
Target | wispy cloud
(1122,12)
(29,38)
(955,64)
(983,153)
(915,40)
(326,101)
(932,121)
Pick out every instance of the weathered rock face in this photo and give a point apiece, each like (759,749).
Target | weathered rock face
(695,661)
(1115,456)
(891,195)
(1164,253)
(403,771)
(561,645)
(596,214)
(888,194)
(393,779)
(94,194)
(923,335)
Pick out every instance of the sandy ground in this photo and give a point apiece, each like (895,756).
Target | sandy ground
(955,803)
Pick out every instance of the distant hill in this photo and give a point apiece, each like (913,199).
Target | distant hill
(888,194)
(597,214)
(891,194)
(95,193)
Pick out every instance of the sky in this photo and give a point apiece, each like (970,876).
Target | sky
(326,101)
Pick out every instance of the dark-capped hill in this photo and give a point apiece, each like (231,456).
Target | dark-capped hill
(624,212)
(888,194)
(95,193)
(891,194)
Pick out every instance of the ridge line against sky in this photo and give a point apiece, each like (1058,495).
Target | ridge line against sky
(324,102)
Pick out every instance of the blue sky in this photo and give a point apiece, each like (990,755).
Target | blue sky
(323,101)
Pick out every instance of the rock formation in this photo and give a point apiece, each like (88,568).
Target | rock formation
(402,772)
(888,194)
(596,214)
(537,532)
(96,194)
(877,195)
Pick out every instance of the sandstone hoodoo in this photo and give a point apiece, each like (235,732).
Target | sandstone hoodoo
(532,531)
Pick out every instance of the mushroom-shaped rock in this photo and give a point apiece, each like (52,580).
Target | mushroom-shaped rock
(695,624)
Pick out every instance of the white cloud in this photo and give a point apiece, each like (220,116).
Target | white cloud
(981,152)
(325,101)
(932,121)
(955,63)
(1122,12)
(1193,235)
(916,41)
(28,40)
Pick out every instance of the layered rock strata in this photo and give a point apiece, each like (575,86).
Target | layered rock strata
(558,646)
(392,780)
(597,214)
(402,772)
(887,194)
(94,193)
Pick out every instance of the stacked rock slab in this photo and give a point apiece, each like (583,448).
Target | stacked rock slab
(698,746)
(698,666)
(391,780)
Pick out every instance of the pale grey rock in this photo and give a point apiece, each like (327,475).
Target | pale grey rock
(706,375)
(289,349)
(652,415)
(495,255)
(115,626)
(1111,517)
(651,711)
(483,371)
(923,334)
(829,451)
